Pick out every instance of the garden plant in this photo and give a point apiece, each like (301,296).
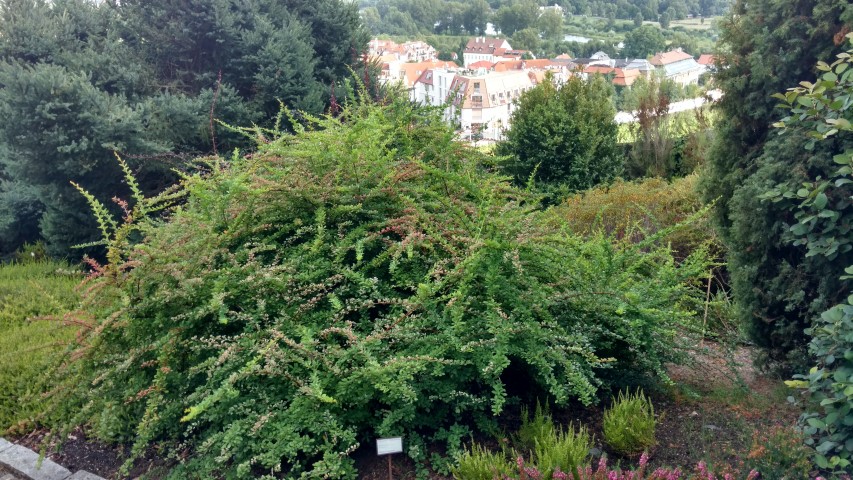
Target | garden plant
(363,276)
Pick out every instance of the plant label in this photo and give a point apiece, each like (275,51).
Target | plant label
(387,446)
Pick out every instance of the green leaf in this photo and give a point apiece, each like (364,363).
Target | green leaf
(820,201)
(816,422)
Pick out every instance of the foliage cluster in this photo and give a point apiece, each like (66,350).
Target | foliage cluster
(636,210)
(554,451)
(365,276)
(643,42)
(823,214)
(410,17)
(779,453)
(563,136)
(488,466)
(767,46)
(28,293)
(83,79)
(665,145)
(629,423)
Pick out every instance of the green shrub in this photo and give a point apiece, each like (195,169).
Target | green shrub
(824,222)
(562,450)
(532,429)
(363,277)
(27,345)
(479,463)
(779,454)
(629,424)
(636,210)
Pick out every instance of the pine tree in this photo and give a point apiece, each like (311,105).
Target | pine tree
(148,79)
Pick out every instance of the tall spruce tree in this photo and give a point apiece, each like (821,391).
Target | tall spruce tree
(144,78)
(765,47)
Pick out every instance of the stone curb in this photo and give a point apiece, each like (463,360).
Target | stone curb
(25,462)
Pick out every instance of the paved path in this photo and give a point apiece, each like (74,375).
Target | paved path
(29,466)
(6,475)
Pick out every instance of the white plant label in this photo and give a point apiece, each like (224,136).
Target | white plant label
(387,446)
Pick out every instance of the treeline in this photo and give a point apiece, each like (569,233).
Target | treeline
(80,80)
(404,17)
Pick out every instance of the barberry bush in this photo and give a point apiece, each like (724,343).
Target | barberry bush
(363,276)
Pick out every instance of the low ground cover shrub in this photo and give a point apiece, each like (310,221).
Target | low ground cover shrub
(29,291)
(540,425)
(365,276)
(629,424)
(779,453)
(602,471)
(552,449)
(480,463)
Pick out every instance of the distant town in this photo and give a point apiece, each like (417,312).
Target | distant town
(481,95)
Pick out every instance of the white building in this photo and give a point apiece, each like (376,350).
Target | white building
(678,66)
(553,8)
(483,104)
(433,86)
(486,49)
(417,51)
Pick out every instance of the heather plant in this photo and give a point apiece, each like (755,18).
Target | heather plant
(602,471)
(629,424)
(539,426)
(700,472)
(363,276)
(564,450)
(479,463)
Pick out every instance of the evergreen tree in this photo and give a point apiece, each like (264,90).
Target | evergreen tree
(766,46)
(146,78)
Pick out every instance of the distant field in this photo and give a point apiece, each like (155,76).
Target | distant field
(678,124)
(695,23)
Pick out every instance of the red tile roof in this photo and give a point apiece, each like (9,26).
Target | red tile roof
(481,64)
(672,56)
(483,45)
(706,59)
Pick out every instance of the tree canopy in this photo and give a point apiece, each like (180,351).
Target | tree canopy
(767,46)
(147,78)
(642,42)
(564,135)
